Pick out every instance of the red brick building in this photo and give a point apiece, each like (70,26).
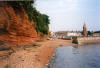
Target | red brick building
(84,30)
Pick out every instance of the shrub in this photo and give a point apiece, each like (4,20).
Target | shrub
(74,40)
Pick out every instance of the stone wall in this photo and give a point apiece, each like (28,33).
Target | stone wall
(88,40)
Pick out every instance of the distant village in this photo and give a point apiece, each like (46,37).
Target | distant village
(70,34)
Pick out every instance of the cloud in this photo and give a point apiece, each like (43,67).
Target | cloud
(69,14)
(57,5)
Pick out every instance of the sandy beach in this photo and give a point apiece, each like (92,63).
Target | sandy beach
(31,56)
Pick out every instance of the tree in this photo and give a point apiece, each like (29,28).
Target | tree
(41,20)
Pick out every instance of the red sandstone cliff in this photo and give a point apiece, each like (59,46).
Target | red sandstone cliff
(15,26)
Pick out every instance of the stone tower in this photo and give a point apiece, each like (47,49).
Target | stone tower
(84,30)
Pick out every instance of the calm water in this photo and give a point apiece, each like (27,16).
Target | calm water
(87,56)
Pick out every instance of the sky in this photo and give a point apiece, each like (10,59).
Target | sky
(66,15)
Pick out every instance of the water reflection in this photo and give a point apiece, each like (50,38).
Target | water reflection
(87,56)
(75,50)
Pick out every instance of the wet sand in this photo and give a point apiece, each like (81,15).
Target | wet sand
(33,56)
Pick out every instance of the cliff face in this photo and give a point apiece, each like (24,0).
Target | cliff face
(15,24)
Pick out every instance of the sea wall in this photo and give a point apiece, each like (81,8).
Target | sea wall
(88,40)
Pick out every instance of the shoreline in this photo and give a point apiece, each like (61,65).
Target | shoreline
(51,61)
(34,56)
(50,48)
(37,55)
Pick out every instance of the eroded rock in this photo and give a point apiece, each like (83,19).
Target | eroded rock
(4,46)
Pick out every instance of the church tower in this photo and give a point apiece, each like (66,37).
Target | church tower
(84,30)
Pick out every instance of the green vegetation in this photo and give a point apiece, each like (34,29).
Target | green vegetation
(27,5)
(89,33)
(41,20)
(74,40)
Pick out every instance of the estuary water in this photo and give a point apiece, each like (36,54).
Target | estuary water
(86,56)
